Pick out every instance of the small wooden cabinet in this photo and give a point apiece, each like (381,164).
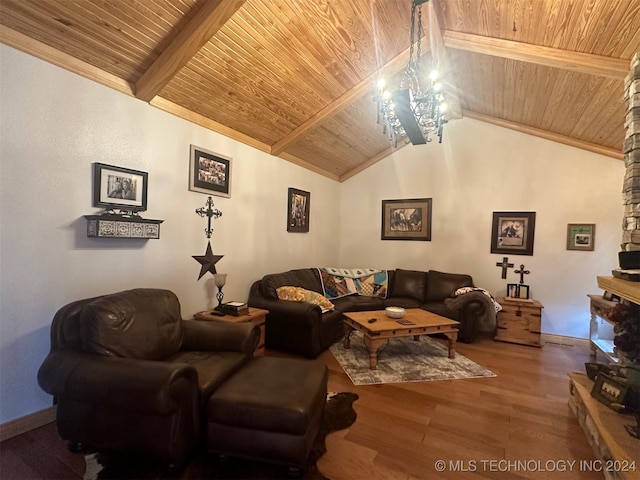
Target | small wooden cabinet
(519,321)
(255,315)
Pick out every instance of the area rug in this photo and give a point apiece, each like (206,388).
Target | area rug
(339,414)
(405,360)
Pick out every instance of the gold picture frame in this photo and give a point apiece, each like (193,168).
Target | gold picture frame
(581,236)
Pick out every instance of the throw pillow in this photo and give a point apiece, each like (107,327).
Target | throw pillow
(297,294)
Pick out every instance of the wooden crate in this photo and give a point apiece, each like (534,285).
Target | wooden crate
(519,322)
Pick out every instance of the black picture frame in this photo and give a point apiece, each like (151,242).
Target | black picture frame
(119,188)
(209,172)
(513,232)
(610,390)
(406,219)
(298,207)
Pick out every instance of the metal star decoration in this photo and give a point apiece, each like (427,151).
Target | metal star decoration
(208,261)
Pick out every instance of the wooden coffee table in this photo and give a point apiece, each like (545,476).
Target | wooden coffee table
(378,333)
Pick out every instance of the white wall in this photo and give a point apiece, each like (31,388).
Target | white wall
(479,169)
(54,125)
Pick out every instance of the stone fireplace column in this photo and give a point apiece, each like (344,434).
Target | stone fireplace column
(631,150)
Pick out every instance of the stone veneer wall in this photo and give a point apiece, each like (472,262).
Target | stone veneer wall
(631,188)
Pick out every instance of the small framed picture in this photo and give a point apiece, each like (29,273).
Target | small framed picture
(610,390)
(523,291)
(119,188)
(581,236)
(513,232)
(512,290)
(298,210)
(406,219)
(209,172)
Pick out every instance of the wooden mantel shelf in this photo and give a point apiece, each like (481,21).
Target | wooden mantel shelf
(622,288)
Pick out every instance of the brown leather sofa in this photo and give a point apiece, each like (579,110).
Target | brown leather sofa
(302,327)
(128,373)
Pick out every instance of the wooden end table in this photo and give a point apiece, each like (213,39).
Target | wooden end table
(378,333)
(255,315)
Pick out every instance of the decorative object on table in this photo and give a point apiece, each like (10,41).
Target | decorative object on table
(219,279)
(209,172)
(208,261)
(505,265)
(298,206)
(522,272)
(395,312)
(412,112)
(119,188)
(408,219)
(513,232)
(209,212)
(581,236)
(234,308)
(517,291)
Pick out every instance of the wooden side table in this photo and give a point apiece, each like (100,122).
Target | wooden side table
(519,321)
(256,316)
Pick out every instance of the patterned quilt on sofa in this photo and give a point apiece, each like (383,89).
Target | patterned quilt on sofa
(339,282)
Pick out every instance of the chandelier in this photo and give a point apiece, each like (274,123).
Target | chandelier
(409,111)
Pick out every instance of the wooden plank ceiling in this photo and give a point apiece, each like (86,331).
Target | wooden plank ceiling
(296,78)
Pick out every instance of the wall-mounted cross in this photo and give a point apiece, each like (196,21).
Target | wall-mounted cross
(208,212)
(522,273)
(504,264)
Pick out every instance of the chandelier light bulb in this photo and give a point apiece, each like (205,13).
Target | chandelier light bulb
(381,83)
(433,75)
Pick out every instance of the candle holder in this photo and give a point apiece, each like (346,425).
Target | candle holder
(220,279)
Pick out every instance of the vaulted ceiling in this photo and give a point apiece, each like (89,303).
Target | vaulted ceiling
(296,78)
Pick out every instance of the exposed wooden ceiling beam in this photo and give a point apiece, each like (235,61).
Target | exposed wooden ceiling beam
(213,15)
(536,132)
(342,102)
(551,57)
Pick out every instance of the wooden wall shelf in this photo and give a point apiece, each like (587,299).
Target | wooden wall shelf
(622,288)
(118,226)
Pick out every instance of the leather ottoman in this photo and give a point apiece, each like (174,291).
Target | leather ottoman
(270,410)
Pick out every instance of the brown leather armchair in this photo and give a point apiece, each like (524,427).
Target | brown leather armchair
(128,373)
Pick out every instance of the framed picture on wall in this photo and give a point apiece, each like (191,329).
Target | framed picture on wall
(209,172)
(298,210)
(581,236)
(408,219)
(119,188)
(513,232)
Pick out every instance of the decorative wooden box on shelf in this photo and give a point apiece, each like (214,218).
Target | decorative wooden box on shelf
(118,226)
(519,321)
(255,315)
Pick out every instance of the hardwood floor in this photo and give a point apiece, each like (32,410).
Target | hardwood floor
(474,426)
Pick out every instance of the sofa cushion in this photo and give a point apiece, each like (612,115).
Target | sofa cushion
(306,278)
(358,303)
(443,285)
(143,323)
(410,284)
(298,294)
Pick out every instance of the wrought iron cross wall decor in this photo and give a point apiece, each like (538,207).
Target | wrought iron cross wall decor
(504,264)
(209,212)
(522,273)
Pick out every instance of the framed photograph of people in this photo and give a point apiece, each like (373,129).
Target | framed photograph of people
(513,232)
(408,219)
(298,210)
(119,188)
(610,391)
(581,236)
(209,172)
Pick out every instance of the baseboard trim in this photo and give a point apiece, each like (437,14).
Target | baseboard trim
(562,341)
(22,425)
